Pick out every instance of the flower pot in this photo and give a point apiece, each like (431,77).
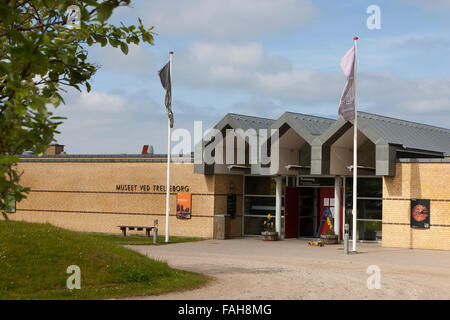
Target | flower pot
(329,238)
(269,235)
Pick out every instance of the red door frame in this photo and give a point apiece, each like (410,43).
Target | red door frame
(291,212)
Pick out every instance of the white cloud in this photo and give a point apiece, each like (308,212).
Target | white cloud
(106,123)
(421,95)
(247,69)
(139,61)
(98,102)
(225,19)
(232,69)
(99,122)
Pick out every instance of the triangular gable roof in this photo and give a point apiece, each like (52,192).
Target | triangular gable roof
(306,126)
(386,130)
(240,121)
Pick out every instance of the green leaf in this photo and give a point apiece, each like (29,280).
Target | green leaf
(8,159)
(104,11)
(124,47)
(113,42)
(147,37)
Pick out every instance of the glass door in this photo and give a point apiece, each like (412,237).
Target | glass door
(307,212)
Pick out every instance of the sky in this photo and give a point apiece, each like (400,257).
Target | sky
(259,58)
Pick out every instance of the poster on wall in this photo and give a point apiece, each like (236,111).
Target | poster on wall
(184,206)
(420,213)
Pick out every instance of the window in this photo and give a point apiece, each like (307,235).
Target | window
(369,207)
(259,200)
(370,187)
(262,186)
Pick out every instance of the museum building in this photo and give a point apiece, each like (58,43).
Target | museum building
(403,195)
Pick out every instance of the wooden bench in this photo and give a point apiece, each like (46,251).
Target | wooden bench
(139,228)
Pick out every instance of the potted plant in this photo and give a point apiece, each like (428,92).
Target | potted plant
(269,233)
(329,237)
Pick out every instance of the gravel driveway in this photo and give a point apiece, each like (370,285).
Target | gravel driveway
(253,269)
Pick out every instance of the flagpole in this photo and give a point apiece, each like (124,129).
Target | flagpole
(355,157)
(168,157)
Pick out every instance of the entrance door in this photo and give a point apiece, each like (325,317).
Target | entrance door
(307,212)
(291,212)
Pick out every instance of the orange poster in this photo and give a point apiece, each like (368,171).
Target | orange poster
(184,205)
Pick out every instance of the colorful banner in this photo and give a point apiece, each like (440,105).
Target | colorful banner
(184,206)
(420,213)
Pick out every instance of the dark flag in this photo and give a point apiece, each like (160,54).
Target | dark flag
(164,75)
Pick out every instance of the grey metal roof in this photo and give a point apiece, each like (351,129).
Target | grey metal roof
(408,134)
(315,125)
(246,122)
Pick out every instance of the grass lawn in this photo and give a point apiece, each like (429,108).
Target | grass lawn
(34,259)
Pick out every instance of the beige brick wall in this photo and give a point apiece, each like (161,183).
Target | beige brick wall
(83,196)
(421,181)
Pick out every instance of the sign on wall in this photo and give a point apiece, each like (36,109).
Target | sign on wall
(420,213)
(184,209)
(151,188)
